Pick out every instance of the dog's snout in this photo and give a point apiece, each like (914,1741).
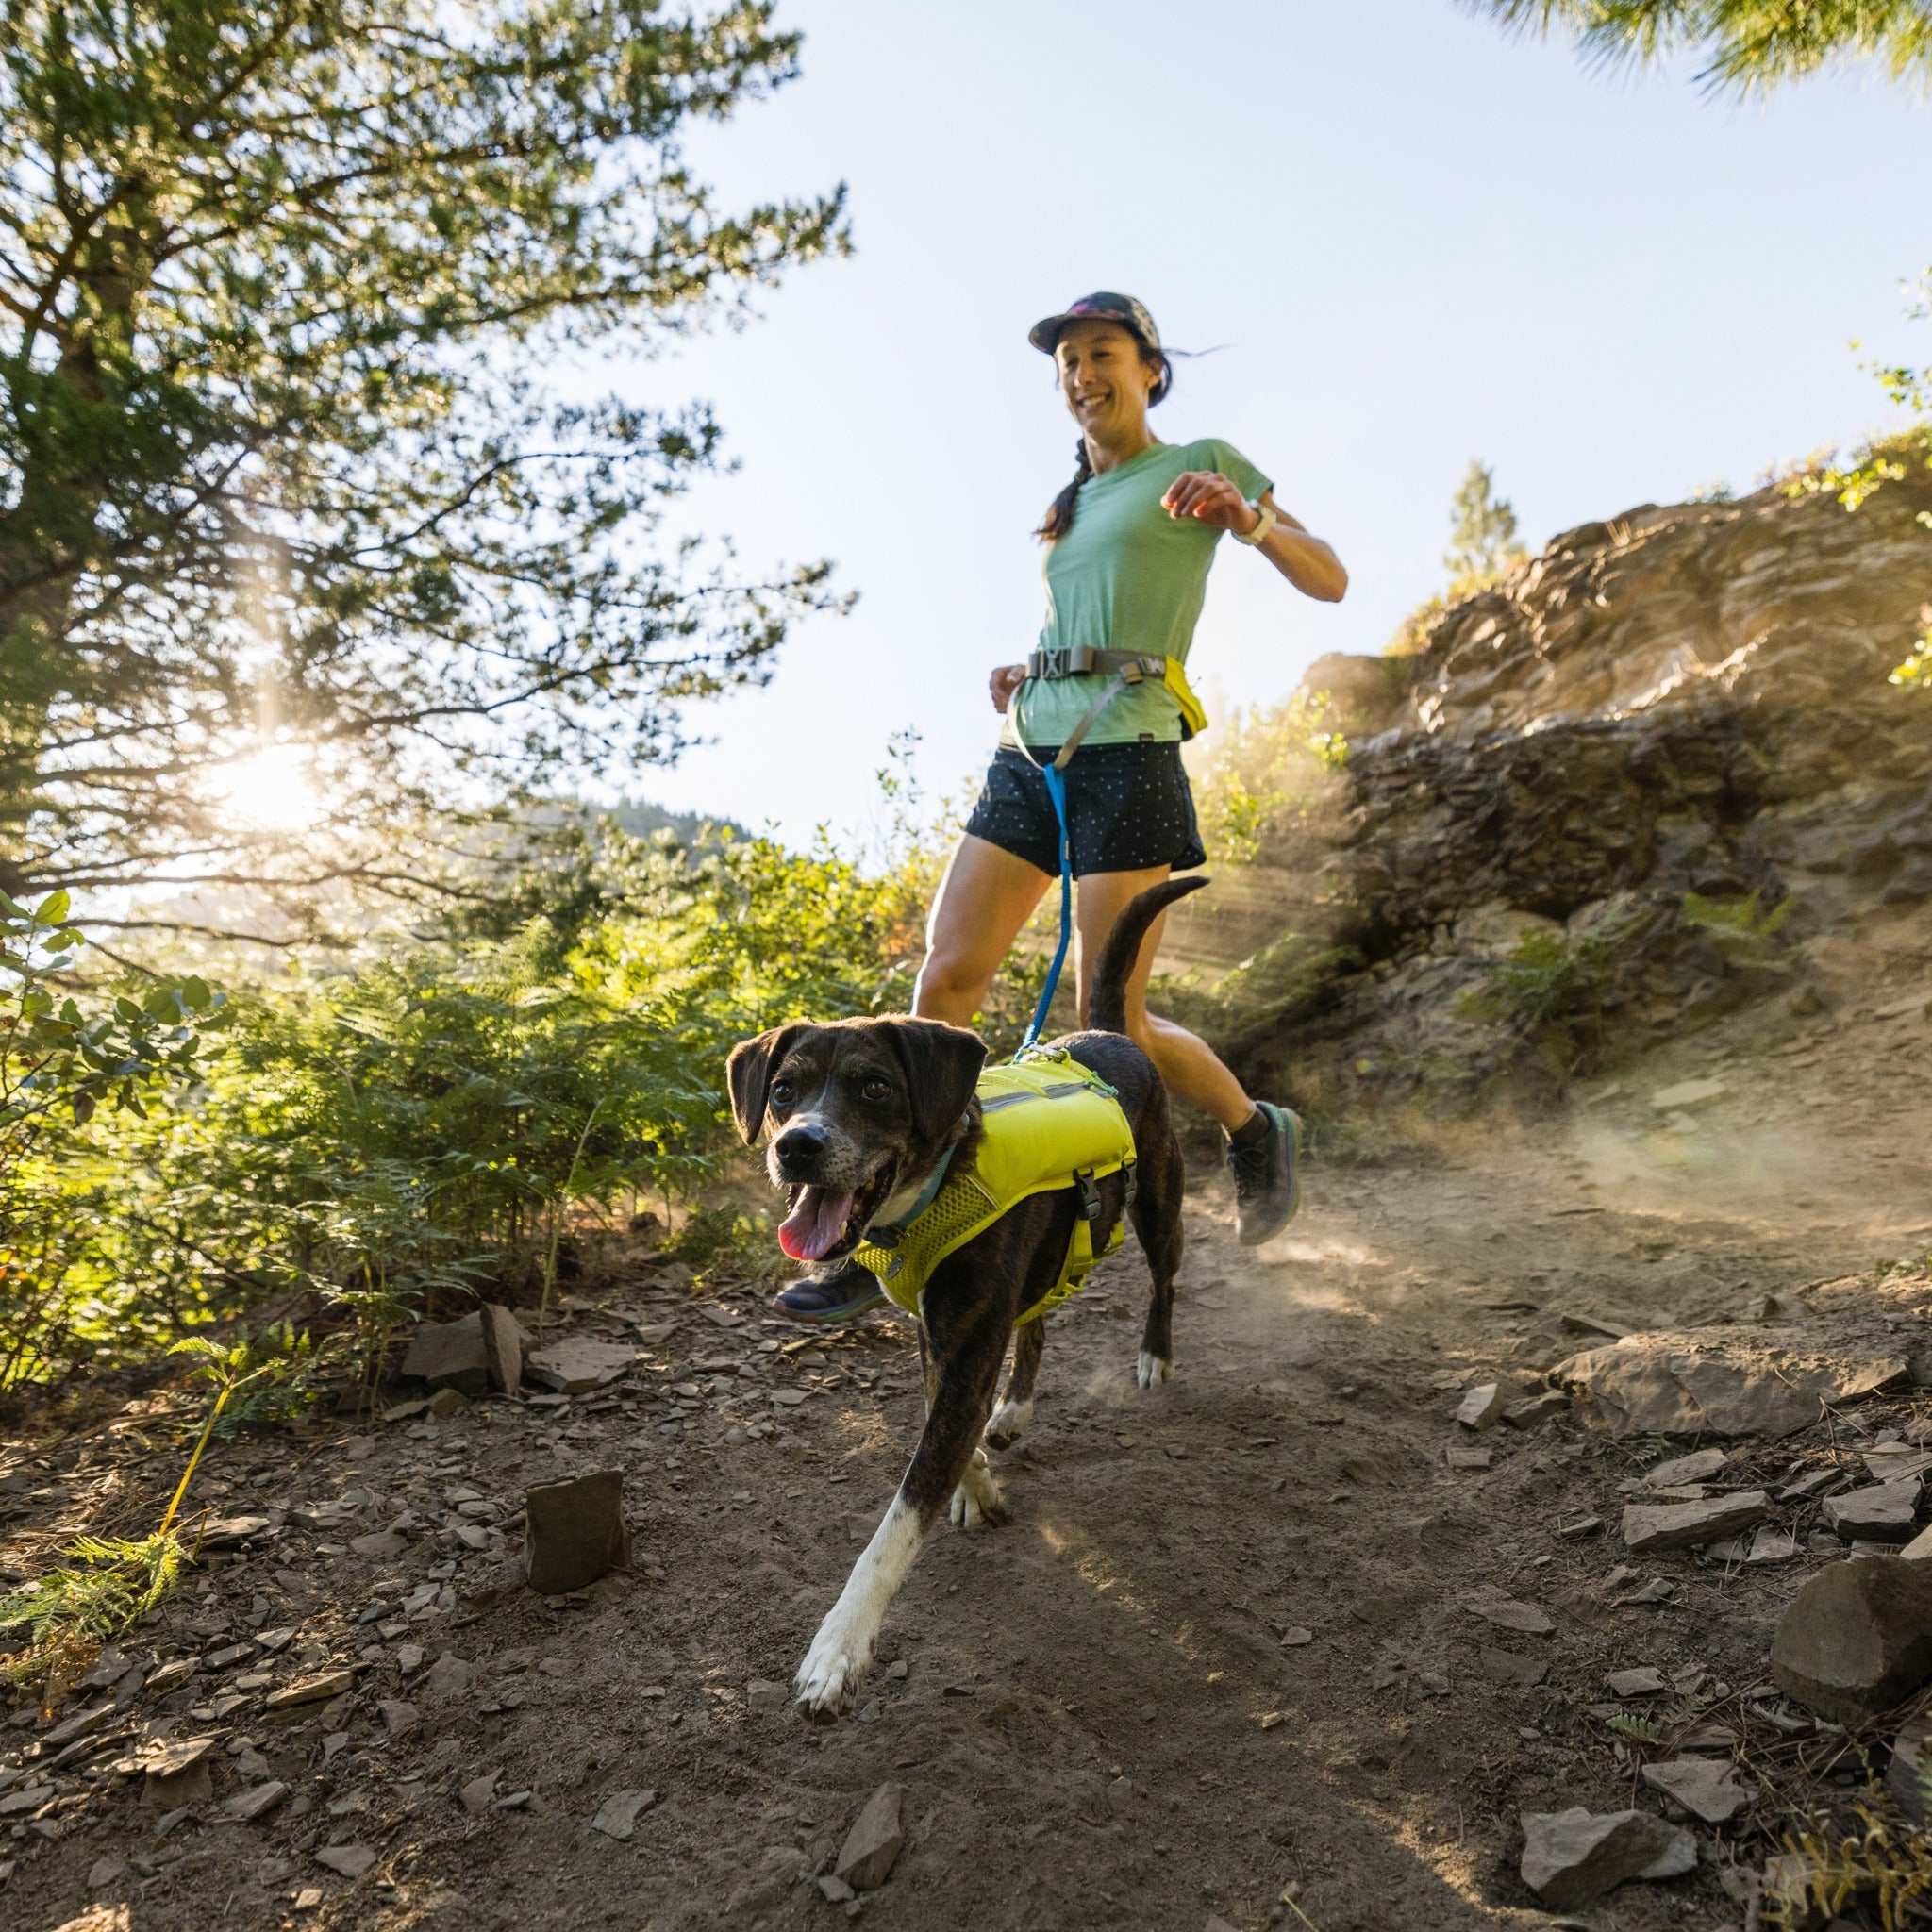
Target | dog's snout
(799,1148)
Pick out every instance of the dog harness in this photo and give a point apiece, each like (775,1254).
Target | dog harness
(1121,669)
(1048,1122)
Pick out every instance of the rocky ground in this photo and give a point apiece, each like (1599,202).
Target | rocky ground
(1280,1642)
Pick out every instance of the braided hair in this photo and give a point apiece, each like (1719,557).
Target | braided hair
(1058,519)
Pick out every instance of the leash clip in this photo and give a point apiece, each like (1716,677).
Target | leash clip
(1088,1191)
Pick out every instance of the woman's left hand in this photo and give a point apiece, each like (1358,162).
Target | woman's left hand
(1208,497)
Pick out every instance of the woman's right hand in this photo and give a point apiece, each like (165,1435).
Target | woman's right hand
(1004,683)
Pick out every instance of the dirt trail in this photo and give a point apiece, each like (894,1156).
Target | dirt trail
(1091,1710)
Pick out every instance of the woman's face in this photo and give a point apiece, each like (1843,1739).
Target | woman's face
(1105,379)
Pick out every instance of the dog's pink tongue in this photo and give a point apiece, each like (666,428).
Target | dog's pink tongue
(815,1224)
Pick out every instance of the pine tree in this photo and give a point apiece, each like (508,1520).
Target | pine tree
(281,283)
(1482,541)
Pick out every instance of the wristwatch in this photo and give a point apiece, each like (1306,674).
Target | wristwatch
(1259,534)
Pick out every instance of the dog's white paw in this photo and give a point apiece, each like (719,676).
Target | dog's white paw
(1008,1423)
(977,1501)
(1150,1370)
(834,1667)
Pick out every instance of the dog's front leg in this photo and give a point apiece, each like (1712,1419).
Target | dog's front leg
(962,1393)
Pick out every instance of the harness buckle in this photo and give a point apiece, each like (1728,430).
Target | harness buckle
(1061,661)
(1088,1191)
(1130,1175)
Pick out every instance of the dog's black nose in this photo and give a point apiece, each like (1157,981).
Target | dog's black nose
(799,1148)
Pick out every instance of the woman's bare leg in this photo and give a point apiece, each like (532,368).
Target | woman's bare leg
(986,895)
(1189,1066)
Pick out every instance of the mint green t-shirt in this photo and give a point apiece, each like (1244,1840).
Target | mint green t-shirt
(1128,577)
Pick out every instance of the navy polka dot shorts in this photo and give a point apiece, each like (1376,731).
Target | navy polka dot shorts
(1129,808)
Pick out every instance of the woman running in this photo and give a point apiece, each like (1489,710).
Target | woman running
(1129,543)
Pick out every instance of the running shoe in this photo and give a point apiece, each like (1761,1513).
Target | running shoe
(1267,1177)
(839,1294)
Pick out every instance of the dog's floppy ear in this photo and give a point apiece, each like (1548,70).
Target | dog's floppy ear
(748,1074)
(941,1064)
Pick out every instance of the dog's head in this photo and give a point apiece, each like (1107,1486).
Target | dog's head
(852,1112)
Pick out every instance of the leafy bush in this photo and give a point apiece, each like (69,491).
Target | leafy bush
(403,1131)
(1551,988)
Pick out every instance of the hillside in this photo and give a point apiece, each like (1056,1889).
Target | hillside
(1678,700)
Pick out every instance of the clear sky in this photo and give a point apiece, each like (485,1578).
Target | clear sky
(1420,242)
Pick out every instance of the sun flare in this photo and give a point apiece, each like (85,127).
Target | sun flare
(270,790)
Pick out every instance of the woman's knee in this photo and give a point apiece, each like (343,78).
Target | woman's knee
(950,973)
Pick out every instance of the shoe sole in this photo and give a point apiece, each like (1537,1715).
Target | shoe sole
(1287,1117)
(831,1317)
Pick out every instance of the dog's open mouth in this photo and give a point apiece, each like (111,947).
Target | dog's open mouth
(824,1223)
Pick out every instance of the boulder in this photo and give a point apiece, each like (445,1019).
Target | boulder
(574,1532)
(1856,1637)
(1570,1858)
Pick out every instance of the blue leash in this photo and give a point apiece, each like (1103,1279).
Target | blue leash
(1057,789)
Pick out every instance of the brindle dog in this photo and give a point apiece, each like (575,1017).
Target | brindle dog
(857,1115)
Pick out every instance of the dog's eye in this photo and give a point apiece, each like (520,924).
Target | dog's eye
(877,1087)
(782,1091)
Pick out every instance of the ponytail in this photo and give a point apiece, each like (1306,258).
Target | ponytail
(1058,519)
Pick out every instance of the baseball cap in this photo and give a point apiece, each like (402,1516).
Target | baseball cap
(1105,306)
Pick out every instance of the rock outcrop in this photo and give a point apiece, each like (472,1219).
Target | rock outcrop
(1682,701)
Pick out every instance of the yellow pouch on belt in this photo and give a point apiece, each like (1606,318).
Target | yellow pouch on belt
(1193,714)
(1049,1123)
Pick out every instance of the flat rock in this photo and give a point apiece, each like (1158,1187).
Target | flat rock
(449,1677)
(1511,1667)
(1685,1526)
(873,1846)
(1642,1682)
(245,1807)
(1703,1786)
(1908,1778)
(572,1367)
(504,1344)
(1570,1858)
(380,1545)
(1919,1548)
(450,1355)
(227,1532)
(1696,1468)
(574,1532)
(350,1861)
(1879,1513)
(1687,1094)
(1480,1406)
(1506,1614)
(1856,1637)
(478,1795)
(617,1815)
(318,1689)
(1707,1384)
(398,1718)
(171,1758)
(1537,1408)
(1895,1462)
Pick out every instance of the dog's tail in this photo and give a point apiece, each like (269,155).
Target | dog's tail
(1107,1005)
